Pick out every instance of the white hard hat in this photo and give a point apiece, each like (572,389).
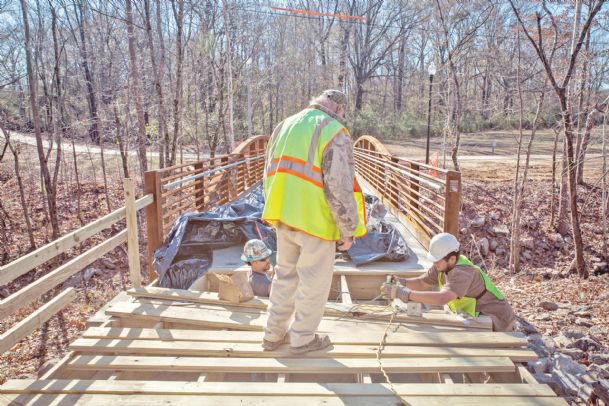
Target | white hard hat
(441,245)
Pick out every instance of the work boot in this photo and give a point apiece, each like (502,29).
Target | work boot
(319,342)
(273,345)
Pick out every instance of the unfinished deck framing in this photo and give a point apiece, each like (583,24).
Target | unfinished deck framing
(180,347)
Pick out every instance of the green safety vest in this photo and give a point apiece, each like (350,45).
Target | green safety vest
(293,182)
(468,304)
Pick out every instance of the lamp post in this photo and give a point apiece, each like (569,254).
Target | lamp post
(432,72)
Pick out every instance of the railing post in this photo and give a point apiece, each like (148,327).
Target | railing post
(414,185)
(226,184)
(452,202)
(133,245)
(154,217)
(199,187)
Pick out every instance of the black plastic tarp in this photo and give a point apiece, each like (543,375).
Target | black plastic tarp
(187,253)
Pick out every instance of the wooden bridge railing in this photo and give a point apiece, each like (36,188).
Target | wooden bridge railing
(424,196)
(200,185)
(34,290)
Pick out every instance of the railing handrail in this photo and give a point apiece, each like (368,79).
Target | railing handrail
(31,292)
(26,263)
(429,204)
(172,185)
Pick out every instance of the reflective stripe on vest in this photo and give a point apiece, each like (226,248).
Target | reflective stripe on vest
(294,161)
(468,304)
(297,167)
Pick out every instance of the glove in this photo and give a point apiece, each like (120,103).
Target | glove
(392,291)
(389,290)
(403,293)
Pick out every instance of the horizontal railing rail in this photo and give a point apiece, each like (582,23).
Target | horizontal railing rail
(34,290)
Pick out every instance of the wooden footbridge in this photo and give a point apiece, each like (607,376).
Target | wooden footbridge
(153,346)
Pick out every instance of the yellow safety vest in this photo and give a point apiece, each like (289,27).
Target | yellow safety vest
(293,182)
(468,304)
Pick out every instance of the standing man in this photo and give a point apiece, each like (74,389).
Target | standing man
(313,201)
(464,287)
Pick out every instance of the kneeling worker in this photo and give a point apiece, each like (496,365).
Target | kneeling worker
(258,256)
(464,287)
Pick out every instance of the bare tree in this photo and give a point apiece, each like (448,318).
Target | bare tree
(51,192)
(15,149)
(137,90)
(561,90)
(157,71)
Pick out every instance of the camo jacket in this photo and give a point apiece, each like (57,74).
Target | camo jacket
(338,172)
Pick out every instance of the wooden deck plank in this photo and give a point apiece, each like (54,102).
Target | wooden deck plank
(332,309)
(30,386)
(248,321)
(452,339)
(290,365)
(170,400)
(214,349)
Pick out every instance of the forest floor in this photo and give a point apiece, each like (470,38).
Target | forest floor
(581,304)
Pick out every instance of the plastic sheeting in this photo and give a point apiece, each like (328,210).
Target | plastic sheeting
(187,253)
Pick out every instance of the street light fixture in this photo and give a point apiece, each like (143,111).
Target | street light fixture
(432,72)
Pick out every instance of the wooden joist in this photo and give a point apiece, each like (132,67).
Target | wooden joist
(222,318)
(447,339)
(332,309)
(269,400)
(67,386)
(254,350)
(290,365)
(345,296)
(12,336)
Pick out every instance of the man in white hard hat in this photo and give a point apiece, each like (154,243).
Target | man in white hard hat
(258,256)
(463,286)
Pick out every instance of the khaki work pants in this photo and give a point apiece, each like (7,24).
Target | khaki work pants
(301,285)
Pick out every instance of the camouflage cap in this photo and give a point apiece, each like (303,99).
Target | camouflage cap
(255,250)
(336,96)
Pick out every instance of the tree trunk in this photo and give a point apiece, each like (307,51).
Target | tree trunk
(553,197)
(177,100)
(230,136)
(159,29)
(44,169)
(136,83)
(78,192)
(342,59)
(157,72)
(562,225)
(119,139)
(84,57)
(24,206)
(514,262)
(399,82)
(577,236)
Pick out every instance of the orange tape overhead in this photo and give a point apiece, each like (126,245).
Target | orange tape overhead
(317,13)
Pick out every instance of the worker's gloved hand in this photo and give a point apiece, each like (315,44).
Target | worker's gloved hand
(403,293)
(389,290)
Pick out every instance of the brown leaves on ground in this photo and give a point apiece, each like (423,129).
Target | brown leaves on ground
(540,293)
